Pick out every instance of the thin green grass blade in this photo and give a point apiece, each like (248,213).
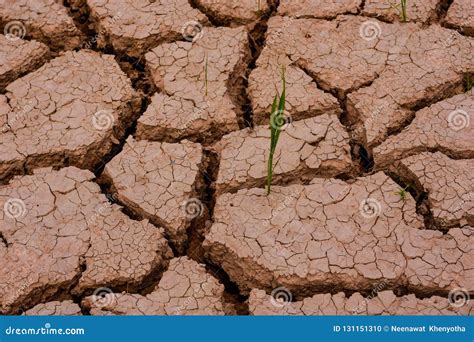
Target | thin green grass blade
(272,142)
(275,128)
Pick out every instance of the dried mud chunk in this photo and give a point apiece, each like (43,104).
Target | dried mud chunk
(325,235)
(419,10)
(234,12)
(285,36)
(434,258)
(448,182)
(318,8)
(56,308)
(55,223)
(43,20)
(200,82)
(159,181)
(384,303)
(133,27)
(461,15)
(306,236)
(123,253)
(69,112)
(315,145)
(18,57)
(400,66)
(185,289)
(443,126)
(433,71)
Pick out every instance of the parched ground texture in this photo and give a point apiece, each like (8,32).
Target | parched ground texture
(135,138)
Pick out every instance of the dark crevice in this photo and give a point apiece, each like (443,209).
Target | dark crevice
(237,302)
(117,148)
(133,212)
(320,83)
(446,91)
(443,92)
(257,40)
(80,15)
(85,311)
(411,115)
(301,176)
(408,182)
(199,228)
(133,67)
(76,298)
(361,155)
(15,75)
(3,240)
(442,9)
(213,17)
(400,288)
(136,71)
(364,157)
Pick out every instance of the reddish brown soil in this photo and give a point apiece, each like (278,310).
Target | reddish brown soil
(134,144)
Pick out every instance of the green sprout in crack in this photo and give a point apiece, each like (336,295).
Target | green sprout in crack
(402,192)
(277,122)
(403,15)
(401,8)
(468,82)
(259,8)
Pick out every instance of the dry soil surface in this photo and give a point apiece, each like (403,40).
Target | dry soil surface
(135,138)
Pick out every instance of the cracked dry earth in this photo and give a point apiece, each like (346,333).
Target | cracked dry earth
(133,147)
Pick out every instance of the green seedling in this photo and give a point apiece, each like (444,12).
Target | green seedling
(401,8)
(402,192)
(468,82)
(259,10)
(403,15)
(277,121)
